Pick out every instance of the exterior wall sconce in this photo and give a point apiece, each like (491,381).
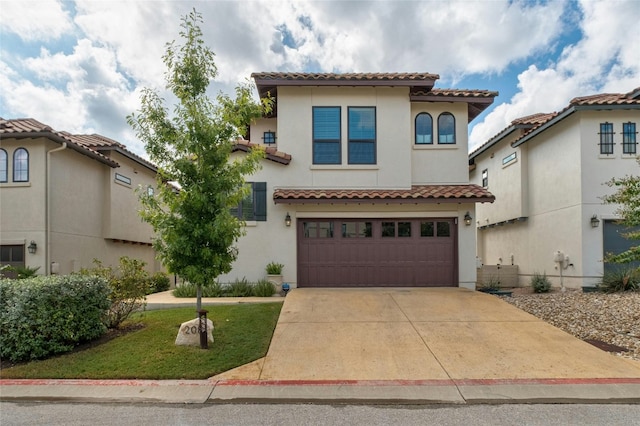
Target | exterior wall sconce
(595,222)
(287,219)
(467,219)
(32,247)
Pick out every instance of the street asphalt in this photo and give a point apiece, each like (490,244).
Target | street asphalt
(384,346)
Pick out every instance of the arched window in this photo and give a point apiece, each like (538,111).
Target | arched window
(424,129)
(4,164)
(446,128)
(21,165)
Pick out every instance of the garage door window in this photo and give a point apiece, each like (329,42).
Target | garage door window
(318,229)
(444,229)
(404,229)
(426,229)
(388,229)
(357,230)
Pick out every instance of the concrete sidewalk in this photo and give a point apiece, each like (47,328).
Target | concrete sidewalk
(386,346)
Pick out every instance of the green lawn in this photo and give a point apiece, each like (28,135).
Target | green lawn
(242,334)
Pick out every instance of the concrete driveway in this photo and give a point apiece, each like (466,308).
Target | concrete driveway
(421,334)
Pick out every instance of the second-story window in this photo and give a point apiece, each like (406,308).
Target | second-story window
(606,138)
(254,205)
(269,137)
(326,135)
(4,164)
(629,138)
(362,135)
(21,165)
(424,129)
(446,128)
(485,178)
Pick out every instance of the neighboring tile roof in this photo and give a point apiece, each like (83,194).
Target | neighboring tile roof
(22,128)
(271,153)
(534,122)
(101,144)
(417,194)
(456,93)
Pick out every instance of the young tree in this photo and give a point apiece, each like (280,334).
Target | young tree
(197,184)
(627,195)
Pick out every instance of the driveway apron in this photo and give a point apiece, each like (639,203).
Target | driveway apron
(424,334)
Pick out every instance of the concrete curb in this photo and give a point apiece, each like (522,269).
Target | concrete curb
(586,391)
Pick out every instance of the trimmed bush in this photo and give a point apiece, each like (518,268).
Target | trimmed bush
(43,316)
(264,288)
(158,282)
(540,283)
(128,285)
(620,279)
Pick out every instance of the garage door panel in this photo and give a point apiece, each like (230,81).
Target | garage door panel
(357,255)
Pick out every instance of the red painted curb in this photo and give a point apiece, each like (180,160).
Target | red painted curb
(444,382)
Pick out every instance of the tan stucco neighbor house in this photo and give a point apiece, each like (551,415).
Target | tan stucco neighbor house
(365,183)
(547,172)
(67,199)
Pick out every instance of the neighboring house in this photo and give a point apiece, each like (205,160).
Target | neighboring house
(67,199)
(548,173)
(365,182)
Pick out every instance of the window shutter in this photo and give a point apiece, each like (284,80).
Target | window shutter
(260,200)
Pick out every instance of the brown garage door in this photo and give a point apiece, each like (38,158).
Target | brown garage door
(377,253)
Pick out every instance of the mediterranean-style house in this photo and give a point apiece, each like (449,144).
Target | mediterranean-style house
(68,199)
(548,174)
(365,182)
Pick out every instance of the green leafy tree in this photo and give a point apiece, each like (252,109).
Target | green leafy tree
(627,195)
(191,147)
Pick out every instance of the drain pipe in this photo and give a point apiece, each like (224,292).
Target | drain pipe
(561,260)
(47,196)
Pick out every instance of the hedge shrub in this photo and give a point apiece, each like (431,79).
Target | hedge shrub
(43,316)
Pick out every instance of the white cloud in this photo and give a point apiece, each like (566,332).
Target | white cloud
(35,20)
(604,60)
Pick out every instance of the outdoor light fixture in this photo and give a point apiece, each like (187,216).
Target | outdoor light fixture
(467,219)
(595,222)
(32,247)
(287,219)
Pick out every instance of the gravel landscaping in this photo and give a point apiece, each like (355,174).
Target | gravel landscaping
(611,318)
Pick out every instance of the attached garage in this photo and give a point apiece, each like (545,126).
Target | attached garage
(392,252)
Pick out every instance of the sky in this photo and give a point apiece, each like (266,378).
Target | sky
(80,66)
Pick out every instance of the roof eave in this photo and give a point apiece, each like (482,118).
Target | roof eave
(129,155)
(383,200)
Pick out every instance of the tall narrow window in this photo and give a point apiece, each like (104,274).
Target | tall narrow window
(424,129)
(21,165)
(446,128)
(362,135)
(629,138)
(4,165)
(606,138)
(326,135)
(485,178)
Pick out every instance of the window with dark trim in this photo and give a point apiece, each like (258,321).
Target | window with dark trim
(21,165)
(123,179)
(424,129)
(485,178)
(446,128)
(254,205)
(4,165)
(606,138)
(326,135)
(269,137)
(362,135)
(509,158)
(629,138)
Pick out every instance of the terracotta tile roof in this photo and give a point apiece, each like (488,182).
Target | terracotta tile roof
(103,144)
(346,77)
(23,128)
(607,99)
(456,93)
(271,153)
(534,119)
(417,194)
